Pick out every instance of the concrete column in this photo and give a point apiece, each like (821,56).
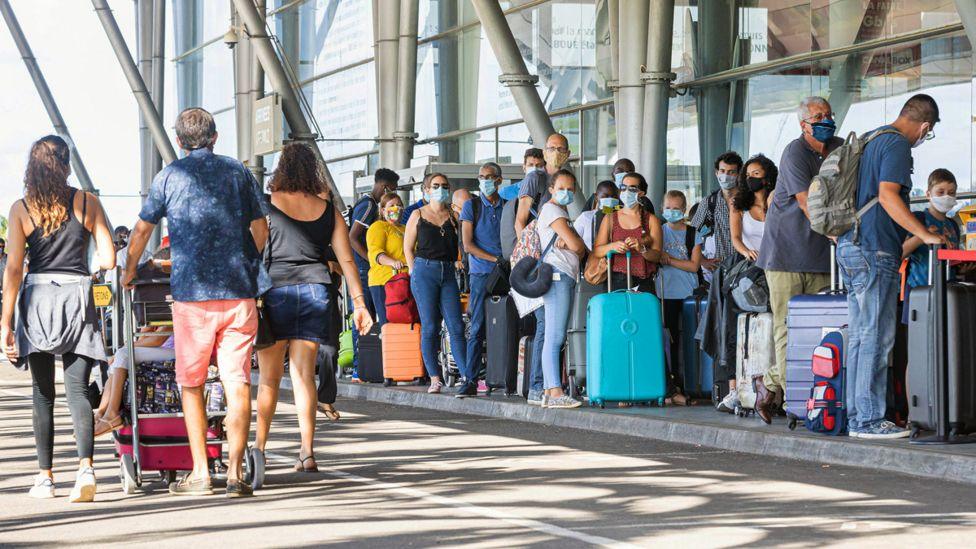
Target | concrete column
(716,38)
(242,92)
(657,94)
(44,92)
(136,83)
(254,22)
(144,45)
(256,92)
(514,73)
(158,72)
(404,134)
(630,92)
(386,43)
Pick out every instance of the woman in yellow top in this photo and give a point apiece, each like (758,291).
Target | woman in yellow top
(384,245)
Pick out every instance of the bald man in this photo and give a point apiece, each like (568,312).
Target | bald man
(458,199)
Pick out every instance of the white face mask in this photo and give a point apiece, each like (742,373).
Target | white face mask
(943,203)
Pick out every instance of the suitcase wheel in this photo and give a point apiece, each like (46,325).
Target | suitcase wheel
(915,432)
(387,382)
(660,402)
(792,424)
(488,392)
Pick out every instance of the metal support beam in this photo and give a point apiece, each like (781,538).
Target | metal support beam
(385,45)
(967,13)
(44,93)
(242,92)
(657,94)
(300,130)
(144,45)
(613,21)
(404,134)
(158,70)
(630,92)
(256,165)
(514,73)
(136,84)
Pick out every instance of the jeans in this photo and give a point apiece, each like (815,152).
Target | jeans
(368,299)
(435,289)
(872,283)
(476,334)
(77,370)
(558,303)
(378,293)
(538,341)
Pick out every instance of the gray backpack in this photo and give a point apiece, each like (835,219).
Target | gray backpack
(832,197)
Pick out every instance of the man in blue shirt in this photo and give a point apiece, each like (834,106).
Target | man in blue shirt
(217,228)
(869,257)
(480,235)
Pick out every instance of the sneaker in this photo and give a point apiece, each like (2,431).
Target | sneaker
(435,387)
(482,386)
(535,397)
(191,487)
(564,401)
(84,490)
(729,403)
(467,389)
(238,489)
(43,487)
(883,430)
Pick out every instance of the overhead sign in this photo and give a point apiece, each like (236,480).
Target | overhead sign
(267,125)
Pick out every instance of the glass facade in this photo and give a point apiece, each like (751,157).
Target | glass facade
(464,115)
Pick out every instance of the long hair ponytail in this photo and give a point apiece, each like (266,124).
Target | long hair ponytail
(46,190)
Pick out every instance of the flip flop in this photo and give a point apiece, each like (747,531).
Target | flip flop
(330,412)
(302,468)
(105,426)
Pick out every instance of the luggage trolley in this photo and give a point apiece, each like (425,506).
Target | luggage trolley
(155,438)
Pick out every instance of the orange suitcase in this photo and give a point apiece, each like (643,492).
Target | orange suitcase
(402,360)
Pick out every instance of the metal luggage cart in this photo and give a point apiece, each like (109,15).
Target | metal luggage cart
(155,441)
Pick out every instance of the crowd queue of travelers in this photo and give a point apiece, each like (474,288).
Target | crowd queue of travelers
(230,243)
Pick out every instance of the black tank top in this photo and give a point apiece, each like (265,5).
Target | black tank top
(297,251)
(65,251)
(439,243)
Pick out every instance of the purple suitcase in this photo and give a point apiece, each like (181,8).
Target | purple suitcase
(808,319)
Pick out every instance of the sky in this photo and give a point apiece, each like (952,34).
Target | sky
(90,90)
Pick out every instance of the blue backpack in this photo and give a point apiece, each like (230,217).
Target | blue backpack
(826,407)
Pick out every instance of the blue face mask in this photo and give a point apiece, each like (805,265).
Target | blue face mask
(628,198)
(824,130)
(672,215)
(439,195)
(609,202)
(619,178)
(564,197)
(487,186)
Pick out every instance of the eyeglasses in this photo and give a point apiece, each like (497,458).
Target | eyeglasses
(930,136)
(819,117)
(558,149)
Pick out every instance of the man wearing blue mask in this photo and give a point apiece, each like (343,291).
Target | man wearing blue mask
(480,224)
(711,219)
(621,168)
(532,161)
(796,259)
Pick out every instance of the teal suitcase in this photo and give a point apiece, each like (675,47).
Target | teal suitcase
(625,348)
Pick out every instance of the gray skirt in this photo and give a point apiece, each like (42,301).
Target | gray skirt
(56,315)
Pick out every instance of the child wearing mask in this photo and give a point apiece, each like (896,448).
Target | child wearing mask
(942,199)
(384,246)
(678,280)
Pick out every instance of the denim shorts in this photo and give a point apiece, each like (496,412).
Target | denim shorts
(299,311)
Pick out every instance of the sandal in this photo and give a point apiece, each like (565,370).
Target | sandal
(104,426)
(302,468)
(329,411)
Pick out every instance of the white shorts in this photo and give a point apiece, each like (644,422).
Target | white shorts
(143,354)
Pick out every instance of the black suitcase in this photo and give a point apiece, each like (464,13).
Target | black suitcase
(502,338)
(371,356)
(921,377)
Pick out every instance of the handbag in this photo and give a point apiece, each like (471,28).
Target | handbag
(532,277)
(265,336)
(497,284)
(595,270)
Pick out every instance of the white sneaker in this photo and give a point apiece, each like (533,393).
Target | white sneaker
(84,490)
(729,403)
(43,487)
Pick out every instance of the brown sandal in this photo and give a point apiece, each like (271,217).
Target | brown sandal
(302,468)
(330,412)
(104,426)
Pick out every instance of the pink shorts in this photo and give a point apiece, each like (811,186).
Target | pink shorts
(199,326)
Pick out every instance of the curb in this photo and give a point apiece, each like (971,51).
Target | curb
(783,444)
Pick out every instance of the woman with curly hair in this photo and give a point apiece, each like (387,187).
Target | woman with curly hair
(303,227)
(747,220)
(53,225)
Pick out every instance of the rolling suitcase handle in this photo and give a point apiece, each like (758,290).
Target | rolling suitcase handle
(610,271)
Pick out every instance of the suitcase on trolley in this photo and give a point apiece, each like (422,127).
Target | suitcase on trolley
(371,356)
(755,352)
(696,364)
(402,359)
(921,377)
(625,347)
(502,338)
(576,337)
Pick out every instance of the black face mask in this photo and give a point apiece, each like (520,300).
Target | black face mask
(755,184)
